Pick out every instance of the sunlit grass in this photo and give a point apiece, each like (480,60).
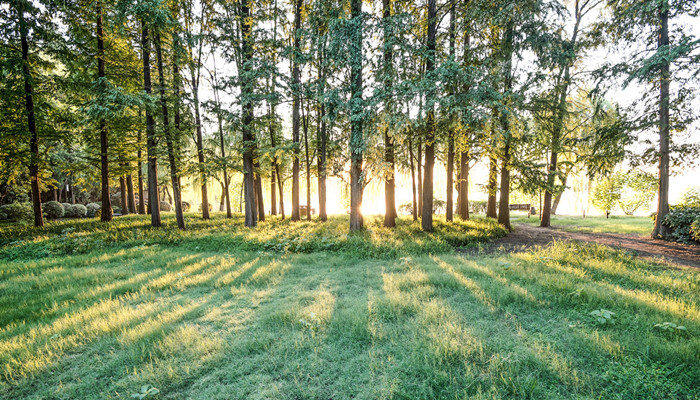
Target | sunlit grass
(200,320)
(641,226)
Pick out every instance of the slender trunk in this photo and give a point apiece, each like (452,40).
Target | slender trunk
(661,230)
(414,211)
(131,200)
(31,120)
(356,128)
(258,190)
(153,200)
(557,199)
(122,194)
(449,204)
(296,83)
(222,200)
(142,201)
(199,143)
(308,163)
(389,180)
(419,170)
(106,211)
(504,203)
(247,109)
(463,185)
(322,136)
(273,192)
(219,120)
(427,214)
(166,128)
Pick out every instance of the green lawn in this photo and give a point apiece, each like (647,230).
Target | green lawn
(615,224)
(222,312)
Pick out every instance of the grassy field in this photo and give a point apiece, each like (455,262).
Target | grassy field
(89,311)
(615,224)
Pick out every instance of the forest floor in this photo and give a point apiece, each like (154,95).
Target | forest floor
(305,310)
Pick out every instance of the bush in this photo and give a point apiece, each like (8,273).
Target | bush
(186,206)
(695,230)
(93,210)
(679,220)
(76,211)
(53,210)
(165,206)
(66,206)
(200,207)
(15,212)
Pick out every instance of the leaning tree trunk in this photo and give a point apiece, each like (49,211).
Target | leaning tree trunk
(296,83)
(356,128)
(153,200)
(31,120)
(557,199)
(660,229)
(106,211)
(166,131)
(427,215)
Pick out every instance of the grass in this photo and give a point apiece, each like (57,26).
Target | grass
(199,320)
(640,226)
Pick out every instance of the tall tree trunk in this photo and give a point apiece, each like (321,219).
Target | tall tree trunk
(414,210)
(31,120)
(296,83)
(356,126)
(273,192)
(131,200)
(308,163)
(106,211)
(427,215)
(661,230)
(322,134)
(199,141)
(449,204)
(419,170)
(219,120)
(493,180)
(166,128)
(153,200)
(222,200)
(247,108)
(389,180)
(258,190)
(504,203)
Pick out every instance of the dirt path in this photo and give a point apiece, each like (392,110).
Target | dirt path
(526,236)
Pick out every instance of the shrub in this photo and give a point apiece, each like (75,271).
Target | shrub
(66,206)
(165,206)
(54,210)
(679,220)
(93,210)
(200,207)
(15,212)
(695,230)
(186,206)
(76,211)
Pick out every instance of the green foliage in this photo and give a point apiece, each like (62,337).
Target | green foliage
(672,328)
(146,392)
(76,211)
(53,210)
(695,230)
(93,210)
(679,220)
(638,191)
(603,317)
(691,197)
(15,212)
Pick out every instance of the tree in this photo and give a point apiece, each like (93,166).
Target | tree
(296,89)
(607,192)
(356,116)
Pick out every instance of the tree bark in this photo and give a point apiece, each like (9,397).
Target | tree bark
(142,201)
(427,214)
(660,229)
(389,180)
(151,142)
(463,185)
(131,200)
(122,194)
(449,204)
(247,109)
(557,199)
(356,125)
(219,120)
(504,203)
(199,142)
(296,83)
(419,171)
(414,211)
(166,128)
(308,163)
(106,211)
(31,119)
